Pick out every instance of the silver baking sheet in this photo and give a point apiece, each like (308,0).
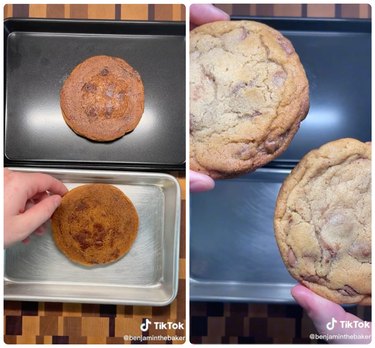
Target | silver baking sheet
(233,251)
(147,275)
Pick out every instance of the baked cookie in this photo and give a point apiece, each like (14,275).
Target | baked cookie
(323,221)
(102,98)
(248,95)
(95,224)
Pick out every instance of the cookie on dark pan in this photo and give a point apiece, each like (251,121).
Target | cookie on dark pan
(103,98)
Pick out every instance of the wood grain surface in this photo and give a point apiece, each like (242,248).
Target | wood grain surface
(299,10)
(172,12)
(255,323)
(62,323)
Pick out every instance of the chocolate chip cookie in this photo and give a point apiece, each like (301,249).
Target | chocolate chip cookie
(248,95)
(95,224)
(103,98)
(323,221)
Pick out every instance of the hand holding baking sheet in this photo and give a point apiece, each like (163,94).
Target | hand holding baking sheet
(200,14)
(29,201)
(331,320)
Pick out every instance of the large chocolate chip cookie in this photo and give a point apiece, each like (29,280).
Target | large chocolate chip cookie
(95,224)
(323,221)
(103,98)
(248,95)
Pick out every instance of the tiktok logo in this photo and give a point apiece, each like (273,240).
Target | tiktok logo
(331,324)
(145,325)
(160,325)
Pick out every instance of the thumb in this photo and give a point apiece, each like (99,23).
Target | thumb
(40,212)
(205,13)
(331,319)
(200,182)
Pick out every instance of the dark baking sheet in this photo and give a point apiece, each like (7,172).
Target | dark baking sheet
(233,252)
(336,55)
(40,54)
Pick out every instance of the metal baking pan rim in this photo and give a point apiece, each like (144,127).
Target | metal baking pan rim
(97,172)
(222,293)
(247,299)
(86,24)
(312,24)
(95,166)
(10,281)
(257,174)
(93,299)
(118,163)
(98,300)
(195,281)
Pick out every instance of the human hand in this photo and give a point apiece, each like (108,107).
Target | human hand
(200,182)
(30,199)
(200,14)
(206,13)
(328,317)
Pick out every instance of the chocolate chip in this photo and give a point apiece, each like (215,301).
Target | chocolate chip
(91,112)
(244,152)
(81,206)
(271,145)
(104,72)
(292,260)
(89,87)
(99,243)
(312,278)
(84,245)
(279,78)
(120,95)
(285,45)
(108,111)
(98,228)
(81,238)
(251,114)
(244,33)
(238,86)
(360,250)
(328,254)
(191,125)
(347,291)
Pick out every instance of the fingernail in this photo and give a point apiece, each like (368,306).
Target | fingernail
(56,200)
(201,185)
(26,240)
(40,230)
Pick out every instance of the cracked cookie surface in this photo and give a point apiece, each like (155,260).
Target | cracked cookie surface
(95,224)
(248,95)
(102,98)
(323,221)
